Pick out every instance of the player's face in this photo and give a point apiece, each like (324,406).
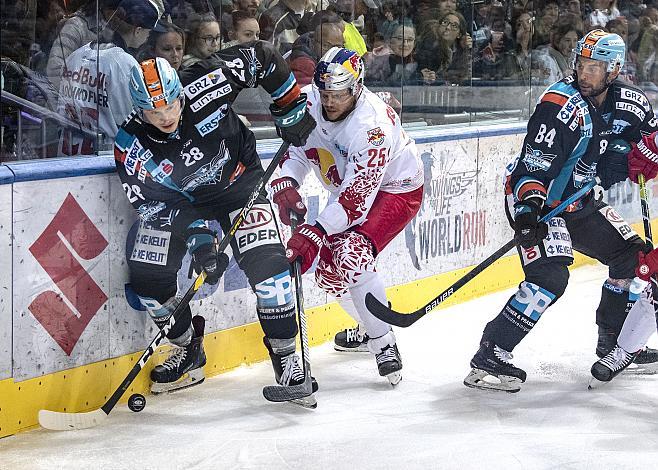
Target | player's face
(591,76)
(165,119)
(337,104)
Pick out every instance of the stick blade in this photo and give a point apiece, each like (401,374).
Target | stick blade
(57,421)
(389,316)
(280,393)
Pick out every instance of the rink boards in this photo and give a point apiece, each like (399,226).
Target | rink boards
(70,327)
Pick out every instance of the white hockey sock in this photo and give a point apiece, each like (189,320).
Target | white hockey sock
(347,304)
(639,325)
(370,282)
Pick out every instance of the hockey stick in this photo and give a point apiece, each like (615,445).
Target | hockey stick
(279,393)
(404,320)
(64,421)
(644,202)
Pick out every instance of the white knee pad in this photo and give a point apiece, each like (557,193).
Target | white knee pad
(375,345)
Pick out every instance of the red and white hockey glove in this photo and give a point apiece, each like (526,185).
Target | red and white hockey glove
(648,265)
(305,243)
(288,199)
(643,158)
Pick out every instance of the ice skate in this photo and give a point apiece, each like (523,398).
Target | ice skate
(351,340)
(184,366)
(287,369)
(389,362)
(493,371)
(609,366)
(645,362)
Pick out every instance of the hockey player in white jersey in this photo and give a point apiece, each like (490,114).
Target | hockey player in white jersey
(640,323)
(371,168)
(93,91)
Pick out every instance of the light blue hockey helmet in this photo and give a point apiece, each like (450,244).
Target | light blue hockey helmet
(154,83)
(603,46)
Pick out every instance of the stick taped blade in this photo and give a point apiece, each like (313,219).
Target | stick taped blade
(57,421)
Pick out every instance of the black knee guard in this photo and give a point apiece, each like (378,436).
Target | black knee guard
(523,310)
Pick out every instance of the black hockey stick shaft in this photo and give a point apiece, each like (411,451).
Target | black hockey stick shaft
(644,202)
(280,393)
(392,317)
(196,285)
(301,316)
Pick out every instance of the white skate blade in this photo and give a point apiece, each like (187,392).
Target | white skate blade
(189,379)
(307,402)
(483,380)
(641,369)
(363,348)
(394,378)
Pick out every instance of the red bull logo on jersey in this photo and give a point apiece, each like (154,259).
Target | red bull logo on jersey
(325,161)
(376,136)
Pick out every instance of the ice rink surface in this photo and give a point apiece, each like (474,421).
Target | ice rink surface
(429,421)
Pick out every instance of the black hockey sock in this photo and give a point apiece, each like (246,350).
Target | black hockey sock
(518,316)
(508,328)
(614,306)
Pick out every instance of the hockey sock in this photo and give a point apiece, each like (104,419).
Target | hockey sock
(615,304)
(519,315)
(369,282)
(346,302)
(640,324)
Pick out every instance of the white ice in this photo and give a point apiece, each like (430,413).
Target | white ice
(430,421)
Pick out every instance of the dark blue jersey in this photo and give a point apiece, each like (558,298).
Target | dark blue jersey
(169,177)
(568,139)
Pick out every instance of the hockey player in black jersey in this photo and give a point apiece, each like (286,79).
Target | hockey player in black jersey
(570,140)
(184,158)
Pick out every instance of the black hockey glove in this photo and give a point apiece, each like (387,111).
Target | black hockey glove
(528,230)
(613,164)
(201,245)
(293,123)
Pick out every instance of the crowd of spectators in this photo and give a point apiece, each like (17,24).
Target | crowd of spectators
(404,42)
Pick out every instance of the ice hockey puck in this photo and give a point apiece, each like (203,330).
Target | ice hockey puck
(136,402)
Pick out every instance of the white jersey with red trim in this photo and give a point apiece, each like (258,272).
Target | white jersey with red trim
(355,158)
(94,94)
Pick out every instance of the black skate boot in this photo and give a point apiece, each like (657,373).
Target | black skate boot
(493,371)
(389,362)
(351,340)
(607,368)
(184,366)
(287,368)
(645,362)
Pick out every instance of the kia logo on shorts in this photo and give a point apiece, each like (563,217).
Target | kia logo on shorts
(257,217)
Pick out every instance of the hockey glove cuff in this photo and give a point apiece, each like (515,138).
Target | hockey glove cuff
(647,265)
(201,245)
(643,158)
(293,123)
(305,243)
(288,199)
(528,230)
